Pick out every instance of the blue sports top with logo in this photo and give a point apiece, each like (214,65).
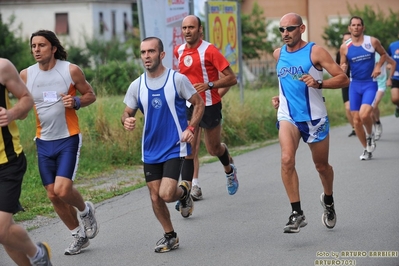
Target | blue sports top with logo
(162,100)
(298,102)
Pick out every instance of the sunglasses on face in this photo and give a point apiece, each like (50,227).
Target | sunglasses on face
(288,28)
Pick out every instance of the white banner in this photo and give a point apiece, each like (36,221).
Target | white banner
(162,19)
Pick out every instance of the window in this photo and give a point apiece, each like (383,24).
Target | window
(61,23)
(113,23)
(103,25)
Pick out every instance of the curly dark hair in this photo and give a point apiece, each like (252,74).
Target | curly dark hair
(52,38)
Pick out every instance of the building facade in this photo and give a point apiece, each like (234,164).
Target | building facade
(317,14)
(73,21)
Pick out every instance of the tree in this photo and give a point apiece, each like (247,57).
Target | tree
(377,24)
(14,48)
(254,35)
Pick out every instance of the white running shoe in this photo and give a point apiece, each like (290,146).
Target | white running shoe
(77,245)
(378,131)
(366,155)
(90,222)
(371,143)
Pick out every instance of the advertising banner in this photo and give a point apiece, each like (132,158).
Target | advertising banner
(162,19)
(223,30)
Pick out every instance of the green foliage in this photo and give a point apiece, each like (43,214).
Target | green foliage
(254,35)
(78,56)
(377,24)
(12,47)
(114,77)
(102,52)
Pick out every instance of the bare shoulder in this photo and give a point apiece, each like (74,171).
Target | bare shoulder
(276,53)
(6,68)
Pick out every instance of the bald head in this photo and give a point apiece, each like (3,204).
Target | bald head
(193,20)
(291,19)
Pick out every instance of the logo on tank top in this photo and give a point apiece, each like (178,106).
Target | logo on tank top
(367,45)
(156,103)
(296,72)
(188,60)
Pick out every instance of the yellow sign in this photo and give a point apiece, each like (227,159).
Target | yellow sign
(223,31)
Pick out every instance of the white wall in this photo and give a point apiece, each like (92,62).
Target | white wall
(83,19)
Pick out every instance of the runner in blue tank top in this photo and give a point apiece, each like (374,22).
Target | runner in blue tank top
(359,53)
(393,51)
(302,114)
(161,94)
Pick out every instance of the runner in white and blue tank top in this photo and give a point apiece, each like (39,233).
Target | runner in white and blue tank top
(163,100)
(300,104)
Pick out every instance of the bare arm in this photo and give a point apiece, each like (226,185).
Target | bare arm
(88,96)
(128,120)
(199,108)
(10,78)
(343,60)
(276,99)
(224,90)
(392,64)
(321,58)
(227,80)
(383,56)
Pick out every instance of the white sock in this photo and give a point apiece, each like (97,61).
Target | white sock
(196,182)
(85,211)
(39,254)
(78,231)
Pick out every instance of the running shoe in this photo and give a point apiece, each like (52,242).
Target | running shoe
(329,218)
(353,133)
(45,260)
(167,243)
(371,143)
(295,222)
(378,131)
(186,204)
(177,206)
(232,181)
(196,193)
(90,222)
(397,111)
(366,155)
(77,245)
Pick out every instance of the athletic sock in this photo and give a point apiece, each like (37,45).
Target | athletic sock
(328,199)
(85,211)
(296,206)
(39,254)
(196,182)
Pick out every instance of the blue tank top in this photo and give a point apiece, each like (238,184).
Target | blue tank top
(298,101)
(361,59)
(164,121)
(393,51)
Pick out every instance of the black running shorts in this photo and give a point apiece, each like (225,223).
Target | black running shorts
(171,168)
(11,176)
(212,115)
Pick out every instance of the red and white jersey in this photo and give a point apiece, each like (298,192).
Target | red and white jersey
(202,64)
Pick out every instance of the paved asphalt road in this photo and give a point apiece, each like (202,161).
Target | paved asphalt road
(247,228)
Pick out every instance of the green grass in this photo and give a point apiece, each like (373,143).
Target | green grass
(107,146)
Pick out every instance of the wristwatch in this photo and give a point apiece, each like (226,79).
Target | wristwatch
(210,85)
(320,82)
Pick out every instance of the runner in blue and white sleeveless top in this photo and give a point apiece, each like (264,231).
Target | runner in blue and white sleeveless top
(161,95)
(359,53)
(393,52)
(302,114)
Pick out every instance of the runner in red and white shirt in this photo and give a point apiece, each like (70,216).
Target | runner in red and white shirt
(208,71)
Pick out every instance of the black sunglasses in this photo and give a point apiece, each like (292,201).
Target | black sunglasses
(289,28)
